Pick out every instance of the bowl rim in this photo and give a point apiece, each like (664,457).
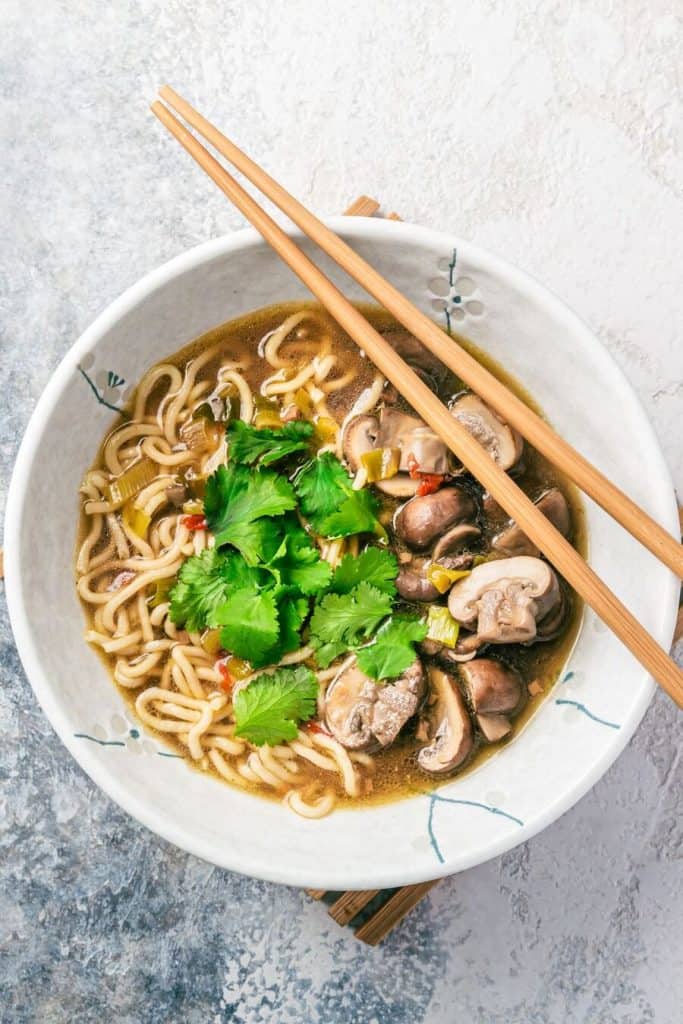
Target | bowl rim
(157,821)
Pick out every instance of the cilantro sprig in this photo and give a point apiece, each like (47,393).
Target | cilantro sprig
(268,709)
(329,502)
(254,446)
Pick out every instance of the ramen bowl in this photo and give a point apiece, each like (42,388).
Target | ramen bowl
(573,737)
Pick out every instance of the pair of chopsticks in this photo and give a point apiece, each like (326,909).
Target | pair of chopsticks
(503,489)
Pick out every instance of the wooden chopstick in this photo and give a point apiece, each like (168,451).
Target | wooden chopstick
(502,487)
(575,466)
(393,911)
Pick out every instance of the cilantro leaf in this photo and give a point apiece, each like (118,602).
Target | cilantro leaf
(341,621)
(250,625)
(298,563)
(236,501)
(376,566)
(328,500)
(321,485)
(356,514)
(391,651)
(269,709)
(204,582)
(292,613)
(252,446)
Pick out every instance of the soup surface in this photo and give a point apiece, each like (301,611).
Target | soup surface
(296,584)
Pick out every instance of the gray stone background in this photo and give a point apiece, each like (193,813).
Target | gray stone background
(547,131)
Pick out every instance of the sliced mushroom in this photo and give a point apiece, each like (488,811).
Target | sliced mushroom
(450,726)
(513,541)
(413,585)
(504,600)
(363,715)
(395,429)
(425,518)
(503,444)
(455,539)
(494,688)
(415,440)
(360,436)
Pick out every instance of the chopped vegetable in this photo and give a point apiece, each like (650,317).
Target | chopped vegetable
(303,402)
(429,483)
(131,482)
(236,504)
(381,463)
(375,566)
(263,447)
(199,434)
(443,578)
(136,519)
(211,641)
(392,650)
(267,413)
(227,681)
(195,522)
(326,430)
(161,592)
(193,507)
(342,621)
(269,708)
(441,626)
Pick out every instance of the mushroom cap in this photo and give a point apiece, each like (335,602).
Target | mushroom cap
(455,539)
(494,688)
(513,541)
(505,599)
(415,440)
(363,715)
(503,444)
(413,585)
(422,519)
(450,726)
(359,436)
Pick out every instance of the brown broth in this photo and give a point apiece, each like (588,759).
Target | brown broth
(396,770)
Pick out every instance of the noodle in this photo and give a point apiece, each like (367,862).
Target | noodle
(119,568)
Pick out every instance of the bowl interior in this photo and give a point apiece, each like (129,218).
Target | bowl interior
(568,743)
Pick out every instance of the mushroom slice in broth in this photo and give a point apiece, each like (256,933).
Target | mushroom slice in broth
(504,445)
(450,728)
(503,601)
(513,541)
(363,715)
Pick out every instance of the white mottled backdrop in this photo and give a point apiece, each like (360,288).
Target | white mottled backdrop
(547,131)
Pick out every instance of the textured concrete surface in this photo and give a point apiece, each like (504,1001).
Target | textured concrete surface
(547,131)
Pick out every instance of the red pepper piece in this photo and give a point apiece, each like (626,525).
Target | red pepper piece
(195,522)
(430,482)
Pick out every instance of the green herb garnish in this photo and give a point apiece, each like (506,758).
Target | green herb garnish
(269,708)
(392,650)
(376,566)
(253,446)
(238,503)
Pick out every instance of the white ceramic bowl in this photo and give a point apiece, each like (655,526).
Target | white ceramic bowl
(571,740)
